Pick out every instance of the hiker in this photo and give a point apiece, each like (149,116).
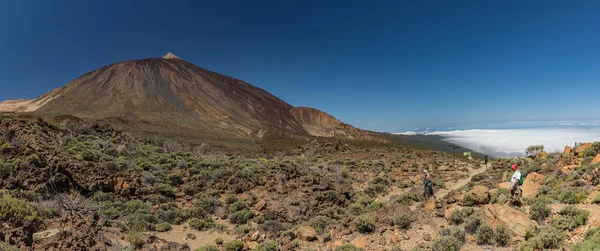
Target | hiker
(515,186)
(428,185)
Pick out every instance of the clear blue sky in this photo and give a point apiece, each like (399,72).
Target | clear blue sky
(381,65)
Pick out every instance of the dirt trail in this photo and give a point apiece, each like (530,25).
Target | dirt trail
(439,193)
(459,183)
(201,238)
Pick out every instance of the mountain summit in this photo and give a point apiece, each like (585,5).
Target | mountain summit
(178,95)
(170,56)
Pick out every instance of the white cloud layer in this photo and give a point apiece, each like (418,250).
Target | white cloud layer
(512,142)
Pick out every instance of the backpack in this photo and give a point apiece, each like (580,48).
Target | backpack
(521,180)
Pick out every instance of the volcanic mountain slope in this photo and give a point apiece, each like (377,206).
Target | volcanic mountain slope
(172,91)
(321,124)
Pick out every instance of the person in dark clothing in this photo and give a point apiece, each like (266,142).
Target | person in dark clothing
(428,184)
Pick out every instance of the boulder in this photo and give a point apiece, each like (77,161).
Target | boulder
(515,221)
(505,185)
(596,160)
(470,158)
(306,233)
(221,212)
(395,239)
(260,205)
(479,194)
(360,242)
(45,234)
(567,150)
(531,184)
(582,148)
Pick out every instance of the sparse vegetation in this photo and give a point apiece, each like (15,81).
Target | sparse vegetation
(446,243)
(365,224)
(539,211)
(534,150)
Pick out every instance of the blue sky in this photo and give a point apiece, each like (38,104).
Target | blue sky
(380,65)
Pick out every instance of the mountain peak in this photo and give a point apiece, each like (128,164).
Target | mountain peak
(170,55)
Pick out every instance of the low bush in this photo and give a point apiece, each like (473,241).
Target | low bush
(407,199)
(207,248)
(241,217)
(459,215)
(348,247)
(364,224)
(570,218)
(446,243)
(18,212)
(485,235)
(163,227)
(539,211)
(590,242)
(597,199)
(402,220)
(243,229)
(502,236)
(320,223)
(549,238)
(457,232)
(235,245)
(472,223)
(201,224)
(219,241)
(267,245)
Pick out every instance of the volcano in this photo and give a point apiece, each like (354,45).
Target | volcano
(173,93)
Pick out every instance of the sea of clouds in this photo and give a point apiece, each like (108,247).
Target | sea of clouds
(504,143)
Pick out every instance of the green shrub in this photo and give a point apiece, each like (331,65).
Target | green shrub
(500,196)
(597,199)
(267,245)
(457,232)
(502,236)
(219,241)
(207,248)
(590,242)
(240,217)
(459,215)
(348,247)
(243,229)
(484,235)
(33,159)
(446,243)
(472,223)
(235,245)
(539,211)
(163,227)
(402,220)
(364,224)
(201,224)
(194,212)
(549,238)
(5,148)
(90,155)
(18,212)
(319,223)
(571,218)
(175,179)
(164,189)
(407,199)
(237,206)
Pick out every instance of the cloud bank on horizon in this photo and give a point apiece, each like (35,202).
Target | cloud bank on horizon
(506,143)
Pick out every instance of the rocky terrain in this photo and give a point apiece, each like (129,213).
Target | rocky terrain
(67,184)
